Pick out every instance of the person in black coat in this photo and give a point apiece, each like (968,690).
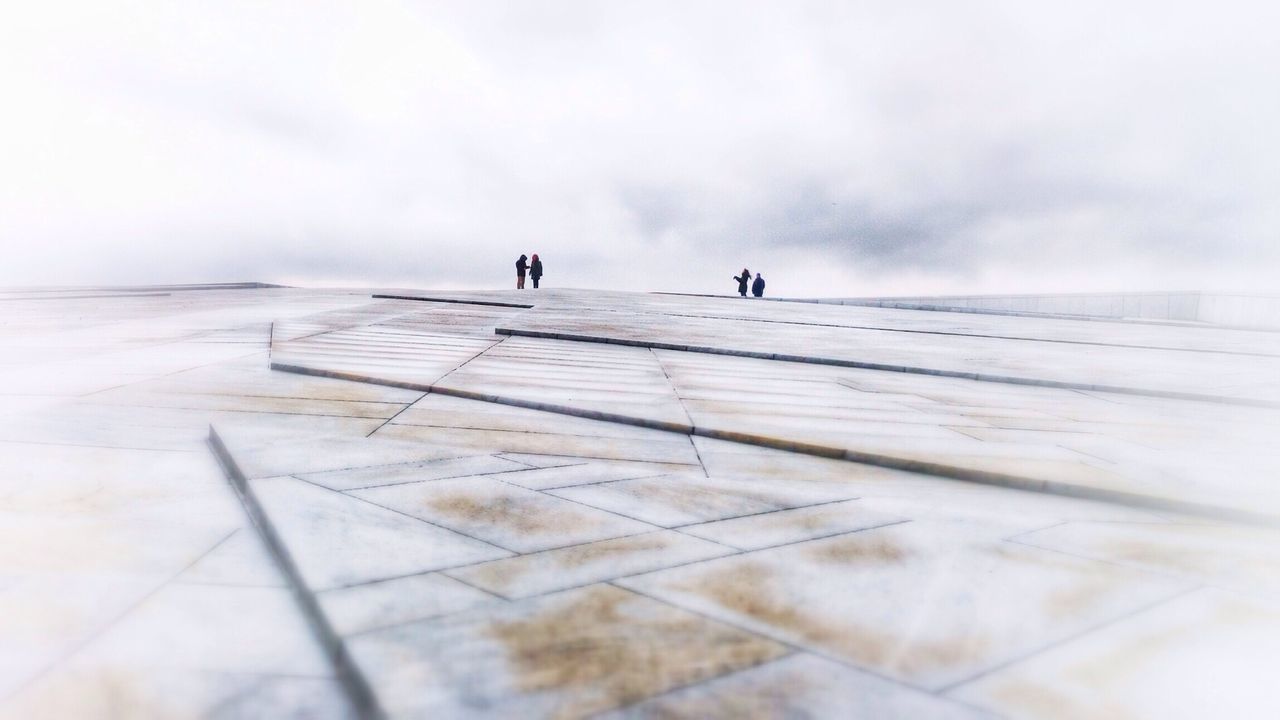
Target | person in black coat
(521,266)
(757,287)
(535,270)
(743,280)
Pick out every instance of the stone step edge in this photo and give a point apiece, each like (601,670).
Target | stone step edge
(419,298)
(891,305)
(926,467)
(353,681)
(861,365)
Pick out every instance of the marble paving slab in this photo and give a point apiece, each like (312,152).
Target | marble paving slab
(504,515)
(565,655)
(338,539)
(918,602)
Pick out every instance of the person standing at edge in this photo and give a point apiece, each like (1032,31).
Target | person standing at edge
(742,281)
(535,270)
(757,287)
(521,266)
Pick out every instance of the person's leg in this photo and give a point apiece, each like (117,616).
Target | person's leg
(519,282)
(535,283)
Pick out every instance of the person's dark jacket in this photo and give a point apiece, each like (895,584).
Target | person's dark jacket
(535,270)
(757,287)
(743,281)
(521,266)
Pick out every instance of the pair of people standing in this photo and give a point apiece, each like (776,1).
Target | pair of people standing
(757,287)
(534,270)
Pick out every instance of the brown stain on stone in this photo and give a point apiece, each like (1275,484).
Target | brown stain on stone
(1081,597)
(1030,699)
(1188,559)
(869,549)
(509,513)
(591,552)
(762,698)
(679,495)
(754,590)
(503,573)
(607,647)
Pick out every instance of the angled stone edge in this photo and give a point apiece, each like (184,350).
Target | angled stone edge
(839,362)
(349,675)
(937,469)
(889,305)
(491,303)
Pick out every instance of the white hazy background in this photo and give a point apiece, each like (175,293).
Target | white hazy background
(840,148)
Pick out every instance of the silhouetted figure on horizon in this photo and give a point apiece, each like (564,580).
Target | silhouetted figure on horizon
(757,287)
(743,281)
(521,267)
(535,271)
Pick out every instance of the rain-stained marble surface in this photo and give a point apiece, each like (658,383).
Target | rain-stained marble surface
(472,558)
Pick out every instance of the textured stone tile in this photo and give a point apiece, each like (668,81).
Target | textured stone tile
(508,516)
(276,697)
(1206,654)
(421,471)
(919,602)
(384,353)
(400,600)
(48,615)
(248,403)
(799,686)
(294,453)
(787,526)
(1244,559)
(219,628)
(592,472)
(562,568)
(994,511)
(240,560)
(545,460)
(672,500)
(97,691)
(658,447)
(337,540)
(462,413)
(564,655)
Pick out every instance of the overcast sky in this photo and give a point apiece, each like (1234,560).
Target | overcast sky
(840,148)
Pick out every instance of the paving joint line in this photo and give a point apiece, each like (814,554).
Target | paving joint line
(489,303)
(685,408)
(399,512)
(393,417)
(363,467)
(427,480)
(622,708)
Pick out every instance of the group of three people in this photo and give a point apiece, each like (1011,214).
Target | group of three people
(757,287)
(534,269)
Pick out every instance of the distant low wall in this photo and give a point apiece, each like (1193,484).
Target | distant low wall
(1217,308)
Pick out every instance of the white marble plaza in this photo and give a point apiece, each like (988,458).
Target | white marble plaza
(278,502)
